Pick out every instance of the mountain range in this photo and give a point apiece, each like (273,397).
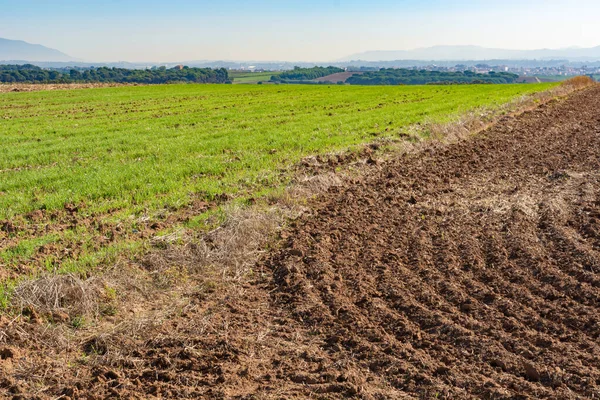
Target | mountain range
(18,50)
(458,53)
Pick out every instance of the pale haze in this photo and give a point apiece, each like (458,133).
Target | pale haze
(308,30)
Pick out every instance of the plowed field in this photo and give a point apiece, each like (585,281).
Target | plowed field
(466,270)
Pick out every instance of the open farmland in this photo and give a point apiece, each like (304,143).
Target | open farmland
(464,267)
(251,77)
(337,77)
(90,174)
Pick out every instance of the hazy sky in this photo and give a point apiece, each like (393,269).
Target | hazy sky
(292,30)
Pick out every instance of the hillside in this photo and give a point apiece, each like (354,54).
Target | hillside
(477,53)
(18,50)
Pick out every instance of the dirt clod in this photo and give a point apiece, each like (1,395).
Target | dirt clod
(8,353)
(532,372)
(59,316)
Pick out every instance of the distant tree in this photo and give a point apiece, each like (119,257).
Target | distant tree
(304,74)
(393,76)
(32,74)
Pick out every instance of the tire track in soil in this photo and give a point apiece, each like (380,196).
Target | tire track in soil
(468,270)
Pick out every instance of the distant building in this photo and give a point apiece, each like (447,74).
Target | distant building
(179,67)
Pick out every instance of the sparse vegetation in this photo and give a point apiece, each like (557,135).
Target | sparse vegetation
(579,82)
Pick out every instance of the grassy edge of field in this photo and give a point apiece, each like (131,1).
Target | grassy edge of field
(179,235)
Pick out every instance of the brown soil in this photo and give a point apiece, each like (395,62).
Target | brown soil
(102,231)
(467,270)
(30,87)
(338,77)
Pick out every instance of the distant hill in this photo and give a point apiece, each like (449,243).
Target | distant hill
(18,50)
(459,53)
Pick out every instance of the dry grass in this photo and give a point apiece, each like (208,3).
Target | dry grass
(213,266)
(305,186)
(59,294)
(579,82)
(235,246)
(226,253)
(229,252)
(478,120)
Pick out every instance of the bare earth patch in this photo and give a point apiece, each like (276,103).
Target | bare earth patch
(339,77)
(30,87)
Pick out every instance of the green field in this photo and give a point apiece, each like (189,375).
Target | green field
(251,77)
(561,78)
(132,155)
(555,78)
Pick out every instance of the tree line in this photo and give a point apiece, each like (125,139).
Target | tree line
(305,74)
(393,76)
(33,74)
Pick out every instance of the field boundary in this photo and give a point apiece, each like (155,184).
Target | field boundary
(39,87)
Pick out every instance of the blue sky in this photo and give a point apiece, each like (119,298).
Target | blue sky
(311,30)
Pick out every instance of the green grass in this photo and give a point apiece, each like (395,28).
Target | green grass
(251,77)
(130,154)
(555,78)
(561,78)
